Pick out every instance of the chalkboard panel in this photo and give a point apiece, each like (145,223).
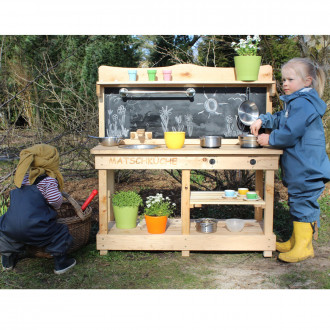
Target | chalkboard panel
(212,111)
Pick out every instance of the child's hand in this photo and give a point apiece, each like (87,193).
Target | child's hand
(256,125)
(263,139)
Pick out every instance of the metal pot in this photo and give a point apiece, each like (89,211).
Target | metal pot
(108,141)
(206,225)
(248,111)
(248,141)
(210,141)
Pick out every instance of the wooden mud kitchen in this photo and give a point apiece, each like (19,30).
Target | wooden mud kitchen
(200,101)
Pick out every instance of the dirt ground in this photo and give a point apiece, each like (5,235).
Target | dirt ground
(235,270)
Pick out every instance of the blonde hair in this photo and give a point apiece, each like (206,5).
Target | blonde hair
(306,68)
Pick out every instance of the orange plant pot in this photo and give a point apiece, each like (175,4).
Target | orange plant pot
(156,225)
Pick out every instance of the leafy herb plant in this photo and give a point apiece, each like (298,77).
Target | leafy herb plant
(126,199)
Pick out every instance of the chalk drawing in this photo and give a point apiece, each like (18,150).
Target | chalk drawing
(230,126)
(116,123)
(165,116)
(189,123)
(211,105)
(178,120)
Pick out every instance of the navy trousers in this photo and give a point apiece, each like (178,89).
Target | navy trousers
(31,220)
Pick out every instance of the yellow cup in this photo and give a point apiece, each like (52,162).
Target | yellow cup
(243,191)
(174,140)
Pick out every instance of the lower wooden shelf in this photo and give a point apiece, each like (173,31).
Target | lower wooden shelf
(251,238)
(199,198)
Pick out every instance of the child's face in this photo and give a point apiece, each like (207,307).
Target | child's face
(293,82)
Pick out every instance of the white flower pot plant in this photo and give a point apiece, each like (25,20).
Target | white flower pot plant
(247,63)
(156,213)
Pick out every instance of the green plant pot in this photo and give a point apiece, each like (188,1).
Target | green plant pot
(152,75)
(247,67)
(125,217)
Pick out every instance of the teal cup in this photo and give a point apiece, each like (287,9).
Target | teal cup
(230,193)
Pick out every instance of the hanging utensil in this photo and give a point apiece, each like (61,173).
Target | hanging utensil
(248,111)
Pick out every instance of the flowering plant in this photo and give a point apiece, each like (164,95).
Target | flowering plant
(159,206)
(247,47)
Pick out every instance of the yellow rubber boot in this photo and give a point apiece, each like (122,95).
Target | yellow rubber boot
(303,248)
(286,246)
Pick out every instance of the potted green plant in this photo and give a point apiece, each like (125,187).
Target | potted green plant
(125,208)
(156,212)
(247,63)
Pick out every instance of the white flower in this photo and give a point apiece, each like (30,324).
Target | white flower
(247,47)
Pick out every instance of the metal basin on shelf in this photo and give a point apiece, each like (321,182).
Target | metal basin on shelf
(139,146)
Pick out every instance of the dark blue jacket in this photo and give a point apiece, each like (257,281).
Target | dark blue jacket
(31,220)
(298,130)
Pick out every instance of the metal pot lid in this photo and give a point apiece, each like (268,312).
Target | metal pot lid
(248,111)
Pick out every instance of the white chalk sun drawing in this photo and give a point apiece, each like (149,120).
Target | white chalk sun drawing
(211,106)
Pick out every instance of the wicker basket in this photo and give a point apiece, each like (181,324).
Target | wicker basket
(78,222)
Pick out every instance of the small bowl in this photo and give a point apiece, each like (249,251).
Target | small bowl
(174,140)
(235,225)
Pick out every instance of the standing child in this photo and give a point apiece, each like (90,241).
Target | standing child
(31,216)
(298,130)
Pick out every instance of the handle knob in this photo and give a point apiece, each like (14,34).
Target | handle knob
(212,161)
(253,161)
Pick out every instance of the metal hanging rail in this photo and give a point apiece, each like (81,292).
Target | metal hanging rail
(124,92)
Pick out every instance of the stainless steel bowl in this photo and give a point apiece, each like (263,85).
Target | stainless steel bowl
(210,141)
(108,141)
(206,225)
(139,146)
(248,141)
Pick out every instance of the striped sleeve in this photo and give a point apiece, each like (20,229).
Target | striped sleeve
(49,189)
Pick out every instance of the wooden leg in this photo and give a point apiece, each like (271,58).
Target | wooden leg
(185,202)
(103,252)
(185,206)
(260,192)
(268,254)
(269,199)
(110,191)
(103,202)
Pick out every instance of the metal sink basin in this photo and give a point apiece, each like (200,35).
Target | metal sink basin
(139,146)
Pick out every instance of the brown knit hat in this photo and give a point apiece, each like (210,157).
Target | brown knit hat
(39,159)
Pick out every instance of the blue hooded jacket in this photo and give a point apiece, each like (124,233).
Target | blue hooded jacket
(298,129)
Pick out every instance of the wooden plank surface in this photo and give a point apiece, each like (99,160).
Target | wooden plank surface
(187,149)
(217,197)
(251,238)
(182,73)
(188,162)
